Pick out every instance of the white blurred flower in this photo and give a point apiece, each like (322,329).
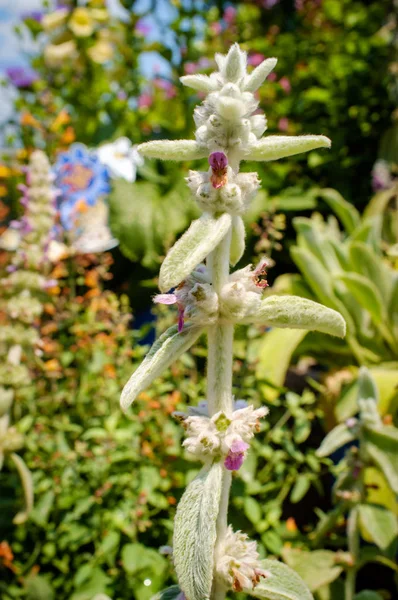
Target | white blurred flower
(121,158)
(92,233)
(10,239)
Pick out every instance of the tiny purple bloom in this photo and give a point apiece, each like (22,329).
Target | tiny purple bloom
(11,269)
(218,163)
(165,299)
(180,318)
(21,77)
(236,455)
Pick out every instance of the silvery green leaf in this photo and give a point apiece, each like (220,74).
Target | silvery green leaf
(335,439)
(237,240)
(381,445)
(282,584)
(259,74)
(172,149)
(379,523)
(274,147)
(346,212)
(163,353)
(201,83)
(192,248)
(27,484)
(195,533)
(366,385)
(171,593)
(293,312)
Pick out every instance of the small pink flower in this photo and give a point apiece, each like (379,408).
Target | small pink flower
(272,77)
(283,124)
(260,274)
(190,68)
(230,15)
(236,455)
(165,299)
(216,28)
(145,100)
(285,85)
(255,59)
(218,163)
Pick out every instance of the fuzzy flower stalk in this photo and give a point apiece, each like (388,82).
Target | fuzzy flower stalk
(23,293)
(209,557)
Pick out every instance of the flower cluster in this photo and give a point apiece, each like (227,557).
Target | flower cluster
(194,297)
(237,562)
(222,436)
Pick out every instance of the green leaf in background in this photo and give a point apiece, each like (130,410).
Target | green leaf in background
(368,595)
(283,583)
(366,294)
(38,588)
(382,447)
(192,248)
(335,439)
(27,485)
(317,568)
(379,523)
(145,222)
(366,385)
(345,211)
(274,357)
(300,488)
(195,532)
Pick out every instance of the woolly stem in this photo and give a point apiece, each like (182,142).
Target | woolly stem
(219,382)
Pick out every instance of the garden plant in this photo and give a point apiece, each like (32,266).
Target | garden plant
(209,557)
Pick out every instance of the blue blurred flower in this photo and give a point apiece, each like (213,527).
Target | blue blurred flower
(82,180)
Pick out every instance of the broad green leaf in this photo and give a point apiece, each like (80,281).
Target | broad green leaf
(381,446)
(312,237)
(345,211)
(171,593)
(27,484)
(136,558)
(195,533)
(378,490)
(368,595)
(163,353)
(316,568)
(274,147)
(172,150)
(192,248)
(386,379)
(237,240)
(366,294)
(274,356)
(300,488)
(38,588)
(335,439)
(294,312)
(282,583)
(379,523)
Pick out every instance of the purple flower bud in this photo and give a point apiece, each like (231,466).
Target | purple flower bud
(11,269)
(180,318)
(236,455)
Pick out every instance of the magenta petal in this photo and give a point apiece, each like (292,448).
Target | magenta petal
(218,161)
(239,446)
(236,455)
(180,319)
(165,299)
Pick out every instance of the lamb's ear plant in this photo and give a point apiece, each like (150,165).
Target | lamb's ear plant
(209,557)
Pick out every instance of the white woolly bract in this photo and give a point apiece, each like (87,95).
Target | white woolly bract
(237,240)
(297,313)
(192,248)
(163,352)
(274,147)
(195,533)
(259,75)
(237,562)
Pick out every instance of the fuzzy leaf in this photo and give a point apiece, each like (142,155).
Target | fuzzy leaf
(171,593)
(237,240)
(27,484)
(259,74)
(195,533)
(317,568)
(335,439)
(172,150)
(379,523)
(164,351)
(201,83)
(293,312)
(368,595)
(381,445)
(367,385)
(282,584)
(192,248)
(366,294)
(274,147)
